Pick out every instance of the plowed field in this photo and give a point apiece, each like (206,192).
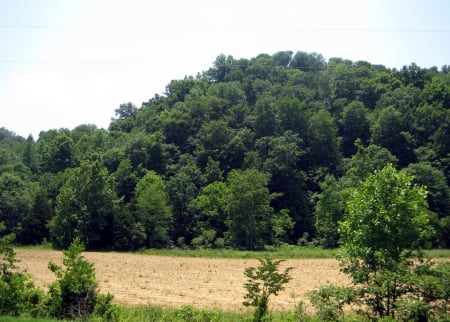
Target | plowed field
(137,279)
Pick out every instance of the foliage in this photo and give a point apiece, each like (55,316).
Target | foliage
(74,294)
(84,207)
(18,294)
(247,205)
(295,117)
(329,301)
(384,228)
(262,282)
(329,211)
(153,210)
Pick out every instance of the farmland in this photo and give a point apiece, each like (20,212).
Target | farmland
(138,279)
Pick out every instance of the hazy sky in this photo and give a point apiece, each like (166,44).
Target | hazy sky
(69,62)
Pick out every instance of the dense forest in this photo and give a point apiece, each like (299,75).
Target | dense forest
(251,152)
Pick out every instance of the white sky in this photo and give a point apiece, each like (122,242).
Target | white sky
(69,62)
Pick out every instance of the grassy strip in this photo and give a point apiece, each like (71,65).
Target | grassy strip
(282,252)
(23,319)
(438,253)
(188,313)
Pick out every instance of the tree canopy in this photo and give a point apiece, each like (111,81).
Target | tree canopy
(276,140)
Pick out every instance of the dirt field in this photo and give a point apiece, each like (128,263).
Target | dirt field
(175,281)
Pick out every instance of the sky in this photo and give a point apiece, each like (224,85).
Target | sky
(64,63)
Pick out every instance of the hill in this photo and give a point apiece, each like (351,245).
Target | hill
(252,152)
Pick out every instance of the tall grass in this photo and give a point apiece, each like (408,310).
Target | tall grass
(23,319)
(282,252)
(270,252)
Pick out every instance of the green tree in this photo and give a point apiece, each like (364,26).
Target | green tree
(210,141)
(262,282)
(324,145)
(59,153)
(85,207)
(329,211)
(183,187)
(247,205)
(385,225)
(280,156)
(16,195)
(34,224)
(365,162)
(354,125)
(389,131)
(125,118)
(266,118)
(29,154)
(293,115)
(438,195)
(209,213)
(153,209)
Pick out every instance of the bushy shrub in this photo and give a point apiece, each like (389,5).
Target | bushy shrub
(74,294)
(17,292)
(329,301)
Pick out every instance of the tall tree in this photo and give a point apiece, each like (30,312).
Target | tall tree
(153,209)
(389,131)
(247,205)
(385,225)
(16,195)
(354,125)
(324,145)
(329,211)
(85,207)
(183,187)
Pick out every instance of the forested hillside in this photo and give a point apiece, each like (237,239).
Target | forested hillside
(252,152)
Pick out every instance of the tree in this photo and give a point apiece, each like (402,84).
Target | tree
(59,153)
(385,225)
(324,149)
(365,162)
(153,209)
(125,118)
(34,224)
(16,199)
(262,282)
(329,211)
(438,196)
(247,205)
(354,125)
(85,207)
(209,213)
(389,131)
(308,62)
(182,188)
(266,119)
(210,141)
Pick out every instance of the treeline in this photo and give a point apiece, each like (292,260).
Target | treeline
(252,152)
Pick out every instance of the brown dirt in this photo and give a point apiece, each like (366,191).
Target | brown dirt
(136,279)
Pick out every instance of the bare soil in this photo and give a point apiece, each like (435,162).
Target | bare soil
(136,279)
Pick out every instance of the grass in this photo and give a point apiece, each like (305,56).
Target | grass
(270,252)
(438,253)
(23,319)
(188,313)
(282,252)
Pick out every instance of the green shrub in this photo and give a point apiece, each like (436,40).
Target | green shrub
(329,301)
(263,281)
(74,294)
(17,292)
